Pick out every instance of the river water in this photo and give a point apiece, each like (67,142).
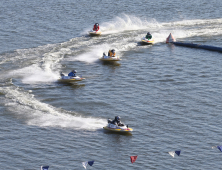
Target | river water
(170,95)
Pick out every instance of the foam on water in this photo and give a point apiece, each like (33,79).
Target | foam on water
(97,51)
(35,74)
(200,22)
(163,34)
(93,55)
(191,28)
(160,31)
(67,121)
(125,23)
(48,68)
(41,114)
(44,70)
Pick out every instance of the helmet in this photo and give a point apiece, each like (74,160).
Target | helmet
(148,33)
(74,71)
(97,24)
(113,51)
(118,118)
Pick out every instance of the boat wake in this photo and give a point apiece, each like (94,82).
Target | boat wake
(35,113)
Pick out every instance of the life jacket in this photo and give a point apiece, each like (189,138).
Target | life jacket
(111,54)
(95,28)
(148,36)
(71,74)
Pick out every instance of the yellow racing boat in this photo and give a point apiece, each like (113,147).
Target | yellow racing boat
(95,33)
(146,41)
(109,58)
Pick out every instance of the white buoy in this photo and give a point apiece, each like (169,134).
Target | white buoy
(170,39)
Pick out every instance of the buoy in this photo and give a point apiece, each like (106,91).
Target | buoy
(170,39)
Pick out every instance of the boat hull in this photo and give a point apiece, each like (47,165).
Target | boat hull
(70,79)
(94,33)
(119,129)
(107,58)
(146,41)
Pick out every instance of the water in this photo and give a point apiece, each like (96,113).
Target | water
(169,95)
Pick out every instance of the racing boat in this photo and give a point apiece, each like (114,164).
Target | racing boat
(109,58)
(68,79)
(146,41)
(94,33)
(115,128)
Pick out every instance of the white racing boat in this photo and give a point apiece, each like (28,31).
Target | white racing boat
(115,128)
(64,78)
(146,41)
(95,32)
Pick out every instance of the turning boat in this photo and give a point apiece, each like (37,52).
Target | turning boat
(115,128)
(146,41)
(94,33)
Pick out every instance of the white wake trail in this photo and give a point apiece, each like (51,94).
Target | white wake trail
(41,114)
